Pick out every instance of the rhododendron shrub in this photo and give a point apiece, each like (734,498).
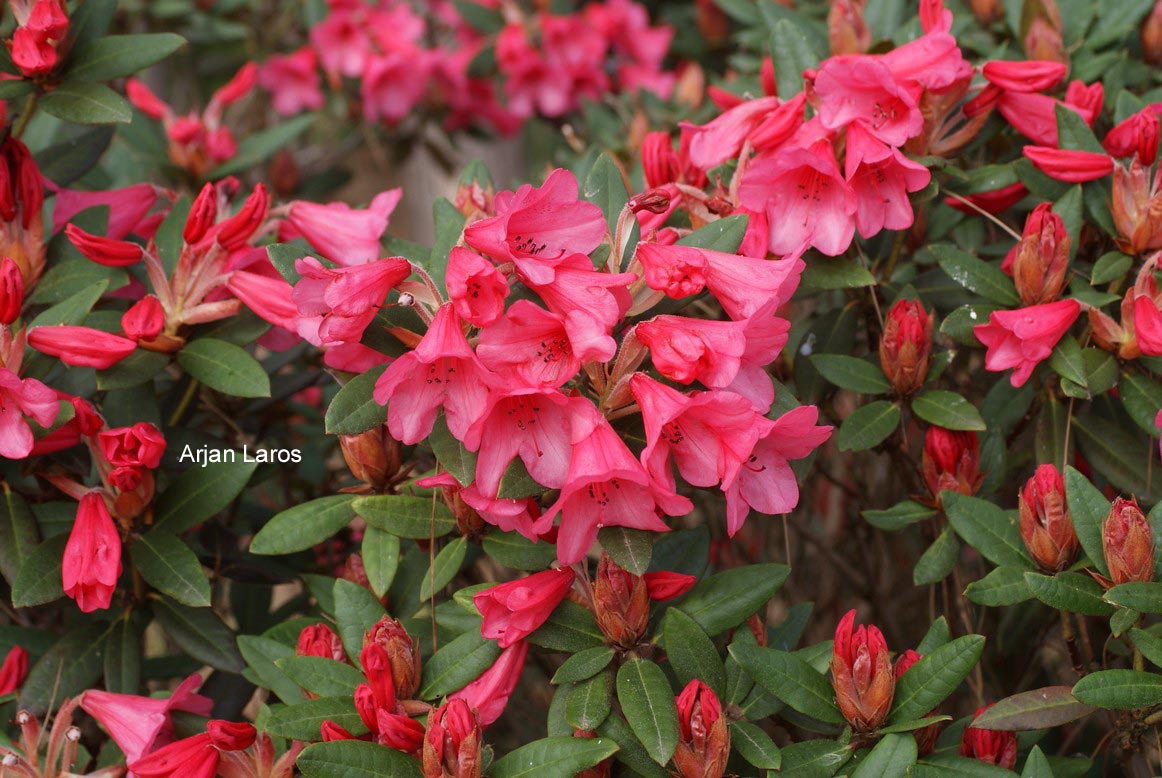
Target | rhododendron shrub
(778,393)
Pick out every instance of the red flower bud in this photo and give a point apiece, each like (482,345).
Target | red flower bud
(452,743)
(847,29)
(320,640)
(141,445)
(1070,165)
(104,251)
(145,100)
(664,585)
(144,320)
(11,291)
(1151,35)
(660,162)
(202,215)
(861,674)
(1127,543)
(622,603)
(329,731)
(14,670)
(81,346)
(1024,75)
(1137,208)
(951,461)
(237,230)
(231,735)
(906,346)
(402,655)
(377,668)
(1040,260)
(986,745)
(703,738)
(1045,524)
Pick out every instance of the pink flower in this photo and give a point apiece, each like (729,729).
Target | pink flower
(933,60)
(336,305)
(722,138)
(128,207)
(606,486)
(141,445)
(81,346)
(92,560)
(475,286)
(543,349)
(137,724)
(531,84)
(526,422)
(1036,75)
(881,178)
(392,85)
(1034,115)
(293,81)
(806,200)
(765,334)
(342,43)
(339,232)
(860,88)
(576,288)
(21,398)
(1137,135)
(513,610)
(685,349)
(269,296)
(539,227)
(1023,338)
(766,482)
(489,693)
(509,515)
(442,371)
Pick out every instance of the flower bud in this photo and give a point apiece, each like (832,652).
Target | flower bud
(951,461)
(11,291)
(452,742)
(202,215)
(329,731)
(401,653)
(372,456)
(664,585)
(659,160)
(703,738)
(231,735)
(1127,543)
(1044,41)
(861,674)
(320,640)
(987,11)
(237,230)
(141,445)
(1045,524)
(906,346)
(144,320)
(622,602)
(104,251)
(1041,258)
(377,668)
(846,28)
(1137,208)
(13,670)
(986,745)
(1152,35)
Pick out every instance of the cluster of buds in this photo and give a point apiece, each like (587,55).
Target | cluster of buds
(41,27)
(38,753)
(1045,524)
(1136,205)
(452,743)
(227,749)
(991,746)
(1039,261)
(861,674)
(951,461)
(621,600)
(703,737)
(1127,544)
(906,346)
(21,203)
(373,457)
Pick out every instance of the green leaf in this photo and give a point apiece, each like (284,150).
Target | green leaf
(200,493)
(1002,586)
(356,611)
(1149,644)
(1088,508)
(451,453)
(1120,689)
(302,720)
(200,633)
(355,759)
(259,146)
(82,102)
(65,162)
(868,426)
(1036,765)
(583,664)
(1114,452)
(39,580)
(858,375)
(1116,21)
(985,527)
(790,679)
(168,565)
(1043,708)
(457,664)
(1071,592)
(976,275)
(136,369)
(73,310)
(724,235)
(91,20)
(590,701)
(517,484)
(1073,133)
(959,324)
(726,599)
(449,228)
(224,367)
(444,568)
(938,560)
(630,548)
(900,515)
(261,654)
(952,766)
(948,410)
(1109,267)
(793,52)
(380,559)
(114,56)
(892,756)
(354,409)
(1143,596)
(322,676)
(303,526)
(570,627)
(931,680)
(73,664)
(605,188)
(648,703)
(814,758)
(514,550)
(479,17)
(18,533)
(691,652)
(1122,620)
(122,661)
(754,745)
(1066,361)
(406,517)
(912,726)
(836,274)
(553,757)
(1141,396)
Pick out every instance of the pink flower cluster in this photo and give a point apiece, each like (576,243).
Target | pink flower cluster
(548,62)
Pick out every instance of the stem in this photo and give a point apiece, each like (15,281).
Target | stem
(184,404)
(25,114)
(1071,644)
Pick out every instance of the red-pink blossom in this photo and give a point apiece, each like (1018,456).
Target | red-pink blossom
(1021,339)
(513,610)
(92,560)
(1070,165)
(475,286)
(881,178)
(293,82)
(339,232)
(489,693)
(861,88)
(138,724)
(81,346)
(21,399)
(337,304)
(685,349)
(539,348)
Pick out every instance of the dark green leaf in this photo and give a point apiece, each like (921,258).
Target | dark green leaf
(1073,592)
(858,375)
(457,664)
(122,658)
(444,567)
(630,548)
(648,703)
(986,528)
(1088,508)
(39,580)
(302,720)
(405,516)
(303,526)
(570,627)
(1120,689)
(932,679)
(321,676)
(790,679)
(793,52)
(356,611)
(73,664)
(1002,586)
(114,56)
(868,426)
(755,746)
(726,599)
(590,701)
(583,664)
(353,409)
(938,560)
(200,493)
(512,549)
(168,565)
(691,652)
(18,533)
(224,367)
(1043,708)
(86,103)
(948,410)
(900,515)
(200,633)
(257,147)
(893,756)
(1144,596)
(553,757)
(380,558)
(976,275)
(836,274)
